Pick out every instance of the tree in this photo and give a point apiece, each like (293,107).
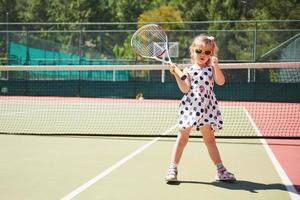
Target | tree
(32,11)
(234,44)
(275,10)
(163,13)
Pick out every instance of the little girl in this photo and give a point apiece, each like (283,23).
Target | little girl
(199,106)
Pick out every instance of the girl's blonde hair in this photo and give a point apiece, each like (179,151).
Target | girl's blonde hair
(203,40)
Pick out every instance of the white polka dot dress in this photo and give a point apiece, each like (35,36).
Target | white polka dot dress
(199,106)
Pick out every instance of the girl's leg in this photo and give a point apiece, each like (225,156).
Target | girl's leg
(181,141)
(210,142)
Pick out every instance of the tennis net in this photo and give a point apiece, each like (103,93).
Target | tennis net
(257,100)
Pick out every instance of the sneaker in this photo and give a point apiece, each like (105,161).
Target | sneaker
(224,175)
(171,175)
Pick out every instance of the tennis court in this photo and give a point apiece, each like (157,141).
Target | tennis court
(74,127)
(94,168)
(77,160)
(53,168)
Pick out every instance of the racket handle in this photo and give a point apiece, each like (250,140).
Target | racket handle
(179,73)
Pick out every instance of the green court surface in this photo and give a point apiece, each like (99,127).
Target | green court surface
(49,167)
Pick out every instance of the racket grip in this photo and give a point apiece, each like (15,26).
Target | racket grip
(179,73)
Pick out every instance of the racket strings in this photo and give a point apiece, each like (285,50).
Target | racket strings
(150,41)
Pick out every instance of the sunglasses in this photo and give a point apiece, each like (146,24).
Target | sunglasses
(199,51)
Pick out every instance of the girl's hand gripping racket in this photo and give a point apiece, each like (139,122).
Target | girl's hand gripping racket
(151,41)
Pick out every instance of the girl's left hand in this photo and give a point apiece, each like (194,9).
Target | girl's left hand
(214,61)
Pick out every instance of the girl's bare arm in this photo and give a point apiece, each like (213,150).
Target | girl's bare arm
(218,74)
(184,85)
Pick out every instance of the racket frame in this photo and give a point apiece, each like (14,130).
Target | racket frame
(165,52)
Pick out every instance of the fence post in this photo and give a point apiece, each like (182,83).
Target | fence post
(7,40)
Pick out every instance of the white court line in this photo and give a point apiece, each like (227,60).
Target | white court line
(284,178)
(89,183)
(19,112)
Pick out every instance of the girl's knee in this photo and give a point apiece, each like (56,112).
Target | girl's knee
(208,135)
(184,135)
(210,141)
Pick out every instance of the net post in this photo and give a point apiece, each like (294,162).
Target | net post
(163,71)
(253,55)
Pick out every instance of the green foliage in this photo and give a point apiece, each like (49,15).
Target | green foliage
(123,10)
(274,76)
(124,51)
(275,10)
(68,11)
(164,13)
(32,11)
(238,44)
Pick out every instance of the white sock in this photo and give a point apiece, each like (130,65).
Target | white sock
(173,165)
(220,166)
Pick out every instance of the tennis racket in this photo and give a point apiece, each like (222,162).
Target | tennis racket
(151,41)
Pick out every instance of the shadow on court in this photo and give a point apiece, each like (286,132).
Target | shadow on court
(238,185)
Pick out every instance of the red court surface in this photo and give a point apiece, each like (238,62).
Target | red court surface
(280,119)
(287,153)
